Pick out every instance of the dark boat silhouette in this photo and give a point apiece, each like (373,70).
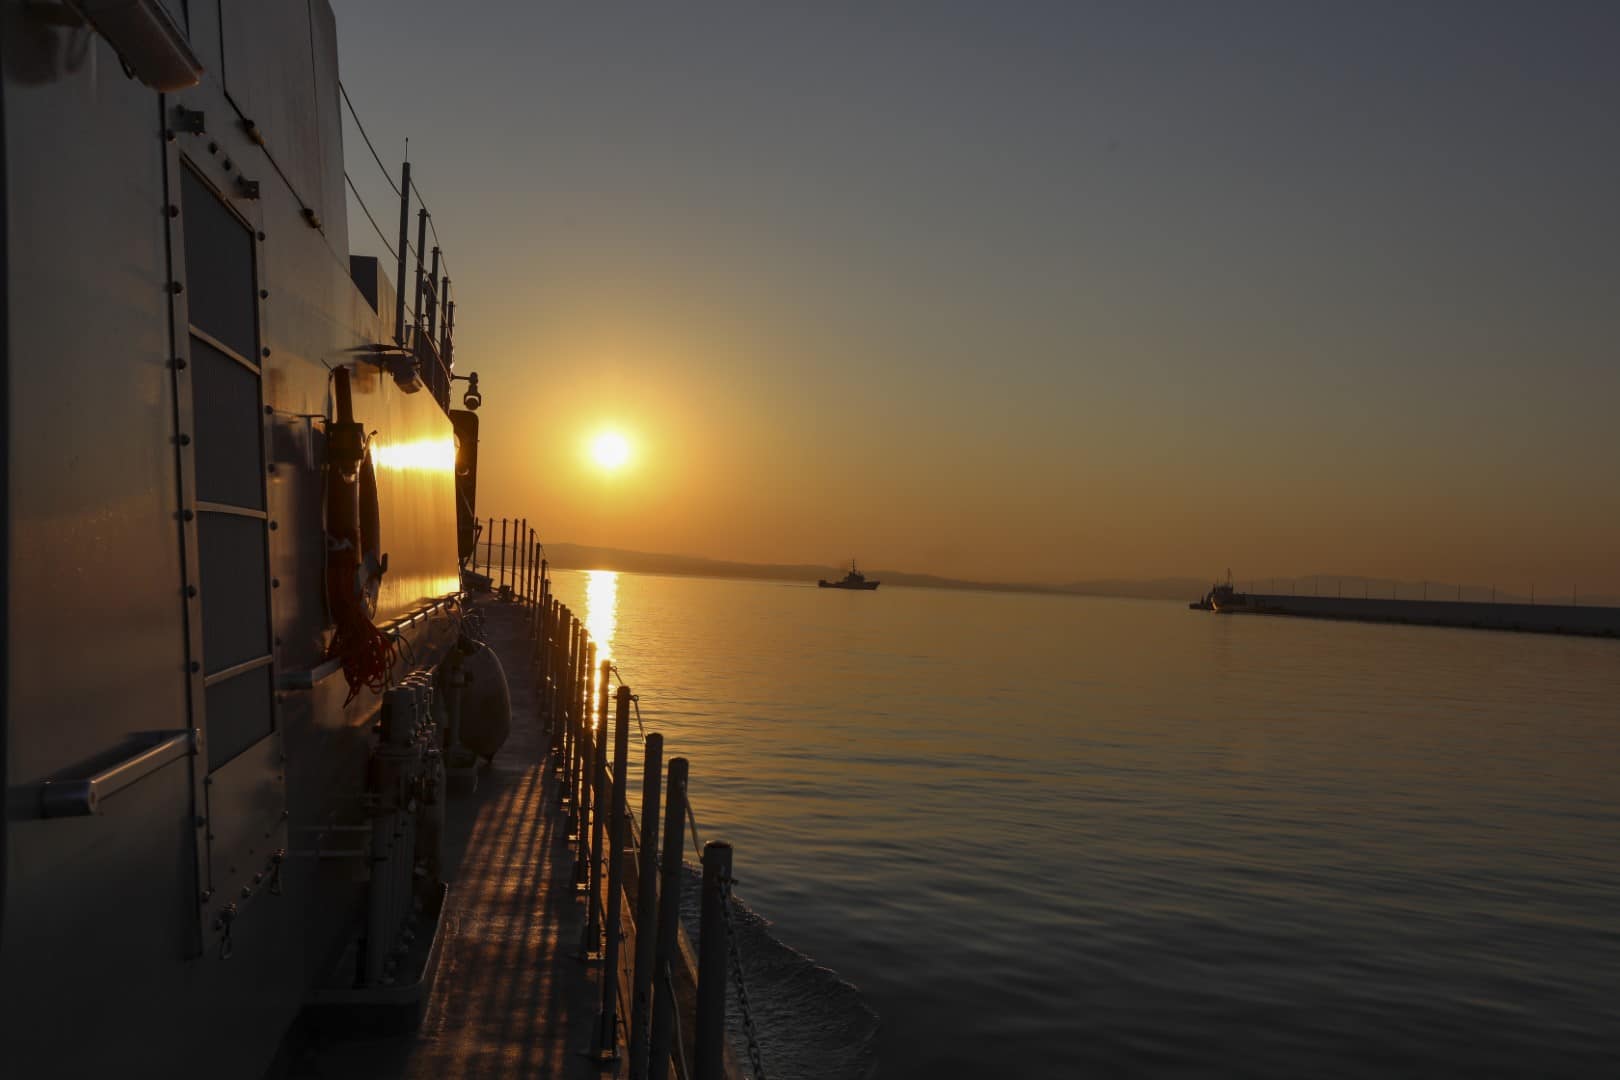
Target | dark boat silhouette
(852,580)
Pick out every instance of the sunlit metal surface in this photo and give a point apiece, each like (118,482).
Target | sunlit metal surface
(419,455)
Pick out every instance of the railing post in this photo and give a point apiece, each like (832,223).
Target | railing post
(664,1016)
(586,854)
(489,547)
(576,729)
(571,704)
(652,768)
(565,721)
(599,813)
(502,584)
(608,1030)
(553,661)
(433,295)
(709,1053)
(421,242)
(404,249)
(520,561)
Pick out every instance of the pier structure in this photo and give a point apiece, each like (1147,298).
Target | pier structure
(1568,619)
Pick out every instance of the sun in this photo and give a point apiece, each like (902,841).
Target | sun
(611,450)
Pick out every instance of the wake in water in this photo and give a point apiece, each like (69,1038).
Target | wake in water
(812,1024)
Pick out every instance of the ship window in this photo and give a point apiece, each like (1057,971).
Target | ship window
(220,293)
(238,714)
(235,610)
(226,415)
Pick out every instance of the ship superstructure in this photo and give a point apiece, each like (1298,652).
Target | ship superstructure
(231,518)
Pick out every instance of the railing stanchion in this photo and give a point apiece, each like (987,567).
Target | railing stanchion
(586,854)
(502,584)
(599,811)
(665,1012)
(608,1030)
(582,807)
(565,718)
(520,574)
(709,1053)
(652,769)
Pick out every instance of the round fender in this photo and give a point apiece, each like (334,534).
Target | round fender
(486,704)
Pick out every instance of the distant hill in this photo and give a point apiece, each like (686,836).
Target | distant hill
(585,557)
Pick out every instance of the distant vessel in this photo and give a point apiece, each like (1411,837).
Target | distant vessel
(1222,597)
(852,580)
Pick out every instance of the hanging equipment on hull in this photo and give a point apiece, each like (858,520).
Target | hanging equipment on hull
(354,567)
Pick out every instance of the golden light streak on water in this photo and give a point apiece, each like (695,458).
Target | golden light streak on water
(601,619)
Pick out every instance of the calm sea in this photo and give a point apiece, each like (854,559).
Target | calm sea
(1052,836)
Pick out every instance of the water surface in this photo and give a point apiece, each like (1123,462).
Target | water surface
(1048,836)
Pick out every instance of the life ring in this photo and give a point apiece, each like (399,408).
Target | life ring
(355,564)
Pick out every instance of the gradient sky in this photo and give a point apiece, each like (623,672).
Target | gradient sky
(1031,291)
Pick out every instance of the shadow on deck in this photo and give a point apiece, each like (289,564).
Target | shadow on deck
(510,999)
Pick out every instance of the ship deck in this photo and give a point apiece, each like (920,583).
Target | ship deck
(511,998)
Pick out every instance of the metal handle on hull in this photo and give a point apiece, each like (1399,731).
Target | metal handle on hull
(78,798)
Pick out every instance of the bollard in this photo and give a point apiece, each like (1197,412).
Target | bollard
(608,1030)
(664,1015)
(652,767)
(709,1053)
(586,854)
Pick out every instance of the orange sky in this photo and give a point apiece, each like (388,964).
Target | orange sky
(1089,294)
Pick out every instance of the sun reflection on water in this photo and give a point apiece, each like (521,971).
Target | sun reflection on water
(601,619)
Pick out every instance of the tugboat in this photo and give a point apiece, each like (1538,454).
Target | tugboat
(852,580)
(1222,597)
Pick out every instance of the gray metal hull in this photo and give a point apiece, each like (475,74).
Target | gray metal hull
(112,953)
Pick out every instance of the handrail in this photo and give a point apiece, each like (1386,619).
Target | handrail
(79,798)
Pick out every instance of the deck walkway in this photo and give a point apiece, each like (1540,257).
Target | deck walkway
(511,999)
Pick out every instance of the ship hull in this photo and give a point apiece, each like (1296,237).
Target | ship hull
(865,586)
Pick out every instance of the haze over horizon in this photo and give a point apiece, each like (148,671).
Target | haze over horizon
(1066,292)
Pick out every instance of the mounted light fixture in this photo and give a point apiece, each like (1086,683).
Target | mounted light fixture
(147,39)
(472,398)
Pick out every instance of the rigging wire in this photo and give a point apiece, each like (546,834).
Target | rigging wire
(374,156)
(367,211)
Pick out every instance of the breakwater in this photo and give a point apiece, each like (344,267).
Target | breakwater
(1526,618)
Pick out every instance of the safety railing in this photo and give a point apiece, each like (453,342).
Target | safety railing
(677,1005)
(424,325)
(512,557)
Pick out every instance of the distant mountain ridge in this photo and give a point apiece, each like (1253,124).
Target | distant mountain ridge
(588,557)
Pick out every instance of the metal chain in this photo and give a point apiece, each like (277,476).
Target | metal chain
(743,1006)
